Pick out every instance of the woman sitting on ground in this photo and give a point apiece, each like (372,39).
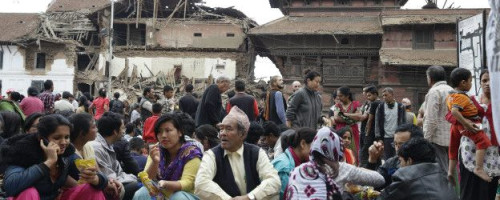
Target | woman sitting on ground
(42,173)
(173,161)
(296,154)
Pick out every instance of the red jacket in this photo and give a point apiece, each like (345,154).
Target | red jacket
(149,129)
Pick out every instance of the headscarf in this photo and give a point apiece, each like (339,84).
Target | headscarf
(307,181)
(173,171)
(240,116)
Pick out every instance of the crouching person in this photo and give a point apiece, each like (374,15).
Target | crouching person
(419,176)
(173,161)
(234,169)
(38,165)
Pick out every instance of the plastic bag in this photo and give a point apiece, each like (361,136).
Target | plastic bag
(82,164)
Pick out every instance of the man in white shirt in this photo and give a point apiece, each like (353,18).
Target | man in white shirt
(234,169)
(64,104)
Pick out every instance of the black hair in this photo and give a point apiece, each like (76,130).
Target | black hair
(458,75)
(306,134)
(83,101)
(48,124)
(102,92)
(436,73)
(146,91)
(254,132)
(239,85)
(66,95)
(419,150)
(88,96)
(11,124)
(168,88)
(15,96)
(116,95)
(287,139)
(346,91)
(187,123)
(270,128)
(415,131)
(208,132)
(174,119)
(371,89)
(310,75)
(48,84)
(157,108)
(129,128)
(30,120)
(33,91)
(136,144)
(283,128)
(81,125)
(483,73)
(334,94)
(189,88)
(231,94)
(341,131)
(108,123)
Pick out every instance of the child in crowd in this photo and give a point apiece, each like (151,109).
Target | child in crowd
(346,134)
(137,150)
(149,125)
(465,120)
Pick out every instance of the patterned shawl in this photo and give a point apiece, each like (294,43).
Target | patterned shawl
(307,181)
(173,171)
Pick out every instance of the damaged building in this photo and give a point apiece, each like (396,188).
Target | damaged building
(158,41)
(360,42)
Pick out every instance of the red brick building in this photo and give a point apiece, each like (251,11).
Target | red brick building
(360,42)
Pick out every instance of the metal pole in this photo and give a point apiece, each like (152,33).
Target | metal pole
(110,57)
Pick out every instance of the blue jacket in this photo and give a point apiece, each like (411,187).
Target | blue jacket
(284,164)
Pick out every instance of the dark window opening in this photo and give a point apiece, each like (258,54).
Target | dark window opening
(1,59)
(120,34)
(220,66)
(85,61)
(40,61)
(344,41)
(197,34)
(423,39)
(229,34)
(38,84)
(128,35)
(92,40)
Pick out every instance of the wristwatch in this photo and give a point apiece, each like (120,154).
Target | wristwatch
(251,196)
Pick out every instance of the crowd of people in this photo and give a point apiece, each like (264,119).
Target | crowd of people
(283,147)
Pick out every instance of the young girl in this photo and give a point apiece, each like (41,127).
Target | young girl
(346,134)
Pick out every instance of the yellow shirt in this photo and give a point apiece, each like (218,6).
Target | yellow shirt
(188,174)
(206,188)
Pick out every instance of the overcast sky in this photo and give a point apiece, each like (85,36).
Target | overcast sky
(259,10)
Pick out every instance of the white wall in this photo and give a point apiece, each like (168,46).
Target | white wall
(14,75)
(191,67)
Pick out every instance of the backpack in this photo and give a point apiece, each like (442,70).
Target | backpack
(117,106)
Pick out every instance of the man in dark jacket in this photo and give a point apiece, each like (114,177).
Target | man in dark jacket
(419,177)
(188,103)
(404,133)
(244,101)
(388,117)
(210,108)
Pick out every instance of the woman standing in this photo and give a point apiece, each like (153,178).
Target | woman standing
(347,113)
(42,173)
(305,108)
(101,104)
(296,154)
(173,161)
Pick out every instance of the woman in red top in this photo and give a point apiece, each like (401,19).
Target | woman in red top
(101,104)
(346,134)
(347,113)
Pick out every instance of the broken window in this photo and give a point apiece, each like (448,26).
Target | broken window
(120,34)
(85,60)
(423,39)
(197,34)
(40,61)
(229,34)
(128,35)
(38,84)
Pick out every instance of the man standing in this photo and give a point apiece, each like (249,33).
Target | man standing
(295,86)
(275,106)
(146,103)
(244,101)
(436,128)
(47,97)
(116,105)
(368,126)
(388,117)
(210,108)
(188,103)
(32,103)
(234,169)
(64,104)
(168,100)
